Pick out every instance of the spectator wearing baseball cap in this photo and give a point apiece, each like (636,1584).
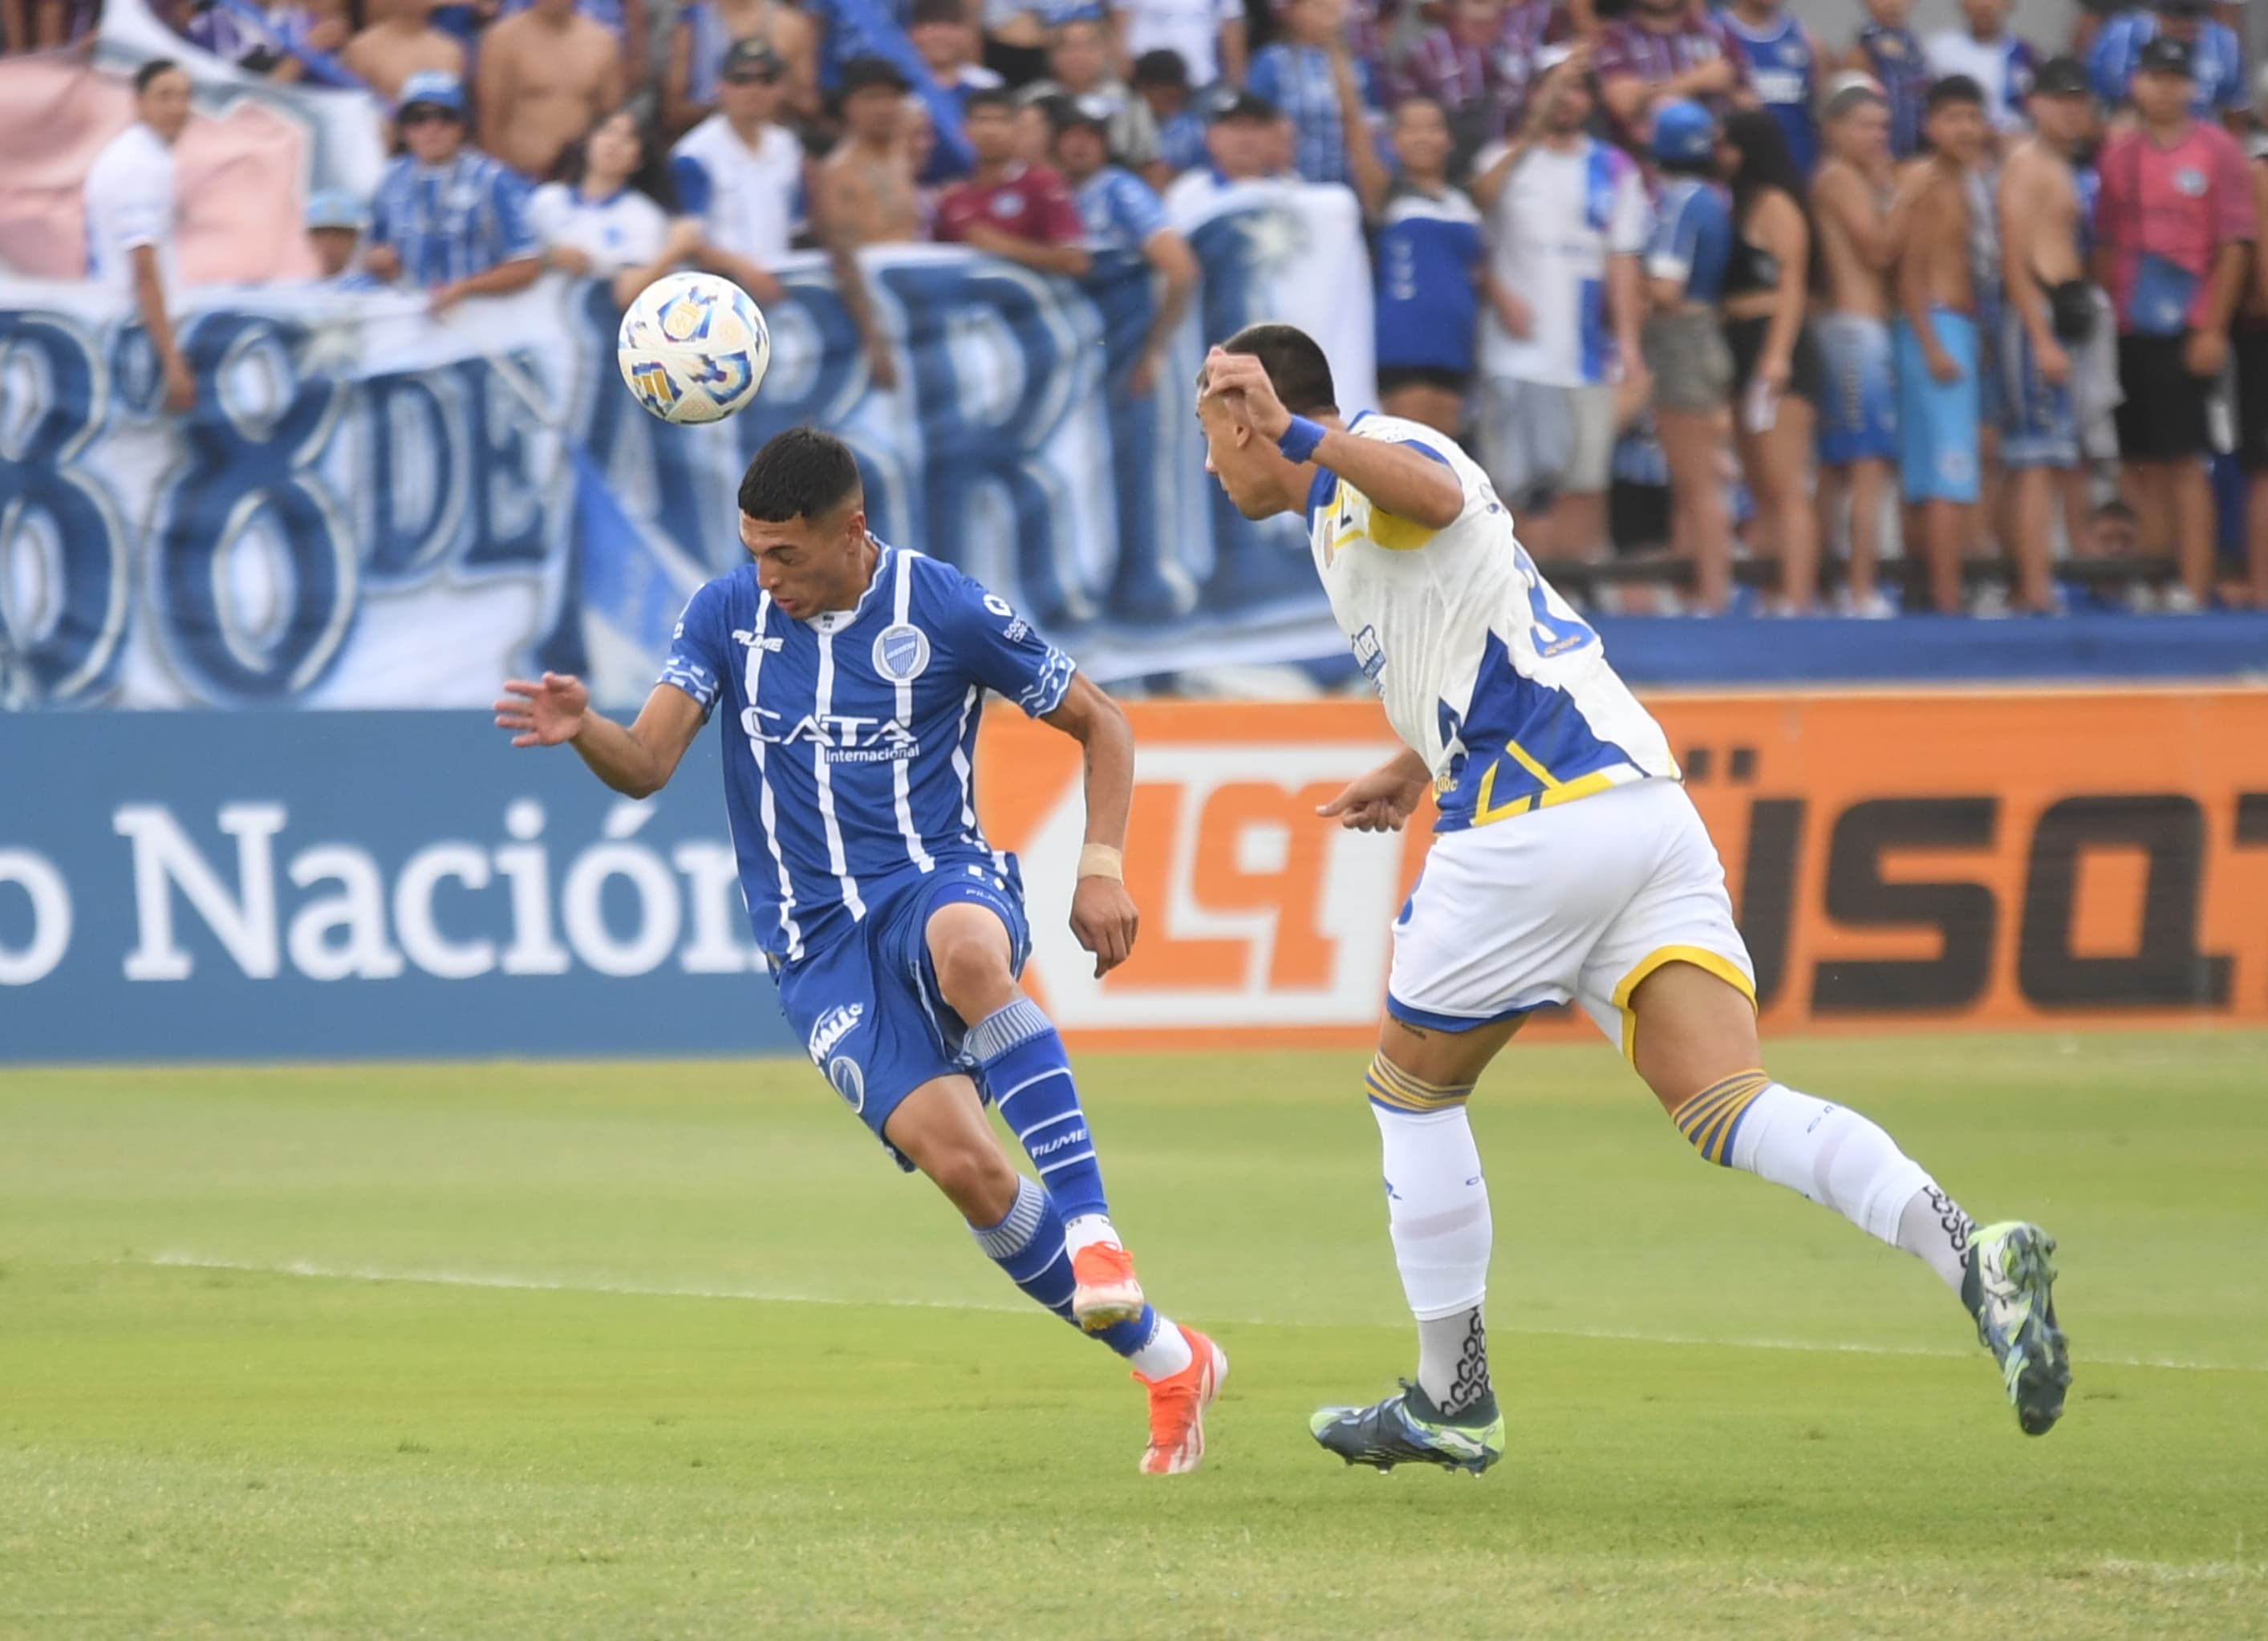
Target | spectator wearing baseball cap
(1682,340)
(335,221)
(2217,78)
(2174,228)
(1240,142)
(447,218)
(705,30)
(741,173)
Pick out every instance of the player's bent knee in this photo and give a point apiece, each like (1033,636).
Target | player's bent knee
(969,950)
(1693,1030)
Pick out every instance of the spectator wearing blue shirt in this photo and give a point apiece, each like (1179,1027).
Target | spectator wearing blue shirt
(1311,77)
(1161,80)
(1122,217)
(1431,264)
(2220,58)
(335,221)
(1683,342)
(448,219)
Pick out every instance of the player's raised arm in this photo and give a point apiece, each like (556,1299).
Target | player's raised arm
(636,759)
(1103,914)
(1400,479)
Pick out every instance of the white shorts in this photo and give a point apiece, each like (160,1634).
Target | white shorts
(1574,903)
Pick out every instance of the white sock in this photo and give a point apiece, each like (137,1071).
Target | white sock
(1167,1353)
(1833,1156)
(1437,1207)
(1086,1230)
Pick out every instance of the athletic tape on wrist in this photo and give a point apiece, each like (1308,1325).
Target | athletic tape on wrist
(1101,860)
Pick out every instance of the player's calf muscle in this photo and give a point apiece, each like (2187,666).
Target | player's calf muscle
(941,1127)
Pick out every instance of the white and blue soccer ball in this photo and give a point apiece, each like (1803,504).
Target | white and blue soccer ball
(693,348)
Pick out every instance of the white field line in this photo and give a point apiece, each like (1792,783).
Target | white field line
(781,1296)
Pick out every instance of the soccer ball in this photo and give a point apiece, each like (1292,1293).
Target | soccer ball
(693,348)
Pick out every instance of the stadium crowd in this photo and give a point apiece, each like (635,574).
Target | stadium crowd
(1688,279)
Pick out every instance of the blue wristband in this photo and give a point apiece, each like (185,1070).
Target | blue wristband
(1299,439)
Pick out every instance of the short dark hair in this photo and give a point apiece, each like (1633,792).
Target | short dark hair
(1954,88)
(936,11)
(1161,66)
(150,70)
(1295,365)
(989,96)
(800,474)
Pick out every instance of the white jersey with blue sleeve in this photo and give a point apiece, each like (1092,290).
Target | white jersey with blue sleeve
(848,741)
(1486,672)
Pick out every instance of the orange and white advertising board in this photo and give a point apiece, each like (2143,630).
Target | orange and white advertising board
(1930,859)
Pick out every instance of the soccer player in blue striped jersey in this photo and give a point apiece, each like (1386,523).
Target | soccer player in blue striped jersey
(850,674)
(1568,866)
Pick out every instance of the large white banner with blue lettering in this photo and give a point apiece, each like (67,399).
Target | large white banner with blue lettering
(370,507)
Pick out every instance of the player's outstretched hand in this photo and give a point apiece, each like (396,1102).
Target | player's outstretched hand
(1239,379)
(1381,801)
(1103,917)
(546,713)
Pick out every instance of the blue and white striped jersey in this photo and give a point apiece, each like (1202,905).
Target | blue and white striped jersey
(1119,210)
(2218,53)
(451,221)
(848,739)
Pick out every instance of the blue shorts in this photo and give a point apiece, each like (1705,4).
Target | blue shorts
(867,1006)
(1859,408)
(1989,306)
(2038,426)
(1938,422)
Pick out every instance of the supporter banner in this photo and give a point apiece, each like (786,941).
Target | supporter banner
(272,885)
(370,507)
(1897,861)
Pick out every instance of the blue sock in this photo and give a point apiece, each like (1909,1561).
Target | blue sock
(1028,1245)
(1025,1067)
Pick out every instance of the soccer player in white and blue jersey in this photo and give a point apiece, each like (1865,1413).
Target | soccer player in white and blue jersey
(850,674)
(1568,866)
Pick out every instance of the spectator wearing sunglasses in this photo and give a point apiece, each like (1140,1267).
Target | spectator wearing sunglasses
(448,219)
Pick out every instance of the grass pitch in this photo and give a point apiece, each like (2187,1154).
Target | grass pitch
(670,1350)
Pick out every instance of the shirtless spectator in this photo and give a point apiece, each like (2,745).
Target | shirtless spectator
(705,30)
(1857,420)
(866,185)
(402,42)
(2050,310)
(547,74)
(1935,335)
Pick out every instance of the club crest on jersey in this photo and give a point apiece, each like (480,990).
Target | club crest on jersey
(902,653)
(849,1080)
(833,1025)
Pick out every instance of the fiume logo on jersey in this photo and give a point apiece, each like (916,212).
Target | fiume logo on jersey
(833,1025)
(902,653)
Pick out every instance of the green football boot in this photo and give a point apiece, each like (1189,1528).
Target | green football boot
(2009,1288)
(1406,1428)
